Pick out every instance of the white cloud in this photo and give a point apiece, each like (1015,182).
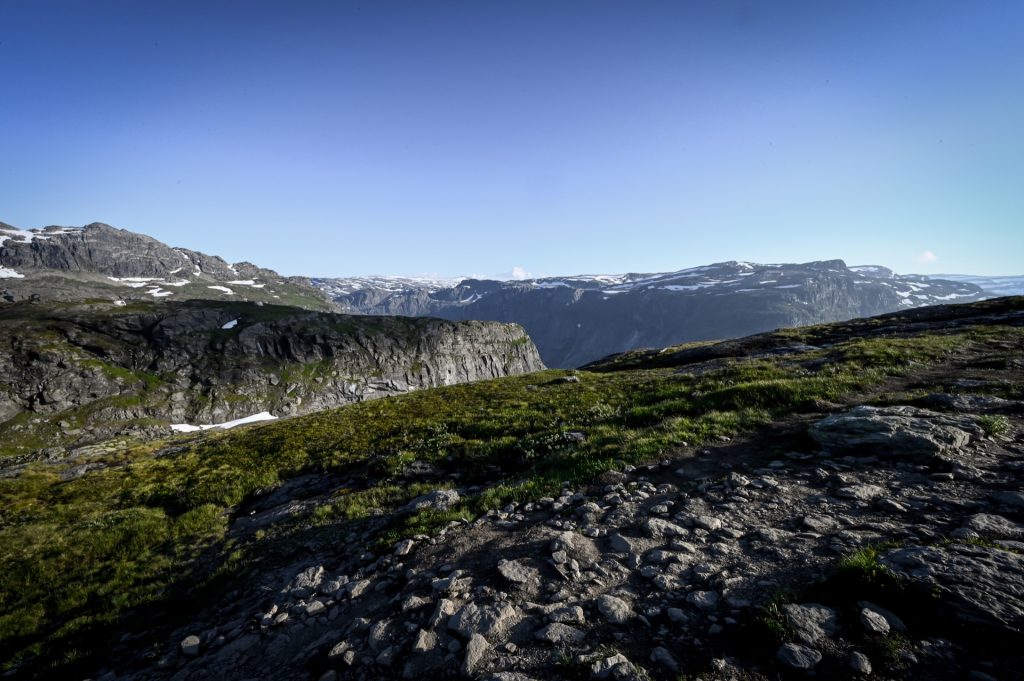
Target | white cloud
(927,256)
(520,273)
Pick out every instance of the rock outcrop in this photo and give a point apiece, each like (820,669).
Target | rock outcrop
(86,372)
(899,432)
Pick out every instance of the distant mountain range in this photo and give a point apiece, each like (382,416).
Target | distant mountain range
(997,286)
(993,286)
(573,319)
(578,319)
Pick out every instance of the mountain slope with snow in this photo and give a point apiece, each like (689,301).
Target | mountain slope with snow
(581,318)
(100,261)
(997,286)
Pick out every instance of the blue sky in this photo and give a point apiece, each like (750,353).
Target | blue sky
(476,137)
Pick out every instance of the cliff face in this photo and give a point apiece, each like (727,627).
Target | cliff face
(575,320)
(73,375)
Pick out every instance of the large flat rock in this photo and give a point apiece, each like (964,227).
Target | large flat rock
(894,431)
(983,585)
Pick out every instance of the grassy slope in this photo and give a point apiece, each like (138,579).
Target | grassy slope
(80,555)
(56,285)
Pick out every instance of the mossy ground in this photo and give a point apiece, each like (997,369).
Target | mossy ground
(80,558)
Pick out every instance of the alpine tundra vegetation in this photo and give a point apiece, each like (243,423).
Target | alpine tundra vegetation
(810,498)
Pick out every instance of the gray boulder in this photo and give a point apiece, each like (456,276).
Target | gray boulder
(860,663)
(798,656)
(190,645)
(873,621)
(438,500)
(560,634)
(615,610)
(490,621)
(577,547)
(981,585)
(477,651)
(658,528)
(811,621)
(894,431)
(517,572)
(994,526)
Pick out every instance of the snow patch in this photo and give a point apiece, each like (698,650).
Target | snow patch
(223,289)
(255,418)
(25,236)
(132,282)
(952,296)
(6,273)
(691,287)
(230,325)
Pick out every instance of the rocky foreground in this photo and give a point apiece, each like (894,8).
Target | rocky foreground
(879,535)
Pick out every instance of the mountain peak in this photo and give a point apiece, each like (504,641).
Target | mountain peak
(102,261)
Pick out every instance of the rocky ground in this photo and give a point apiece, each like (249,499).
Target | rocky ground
(859,541)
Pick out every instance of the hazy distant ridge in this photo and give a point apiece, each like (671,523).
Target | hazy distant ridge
(581,318)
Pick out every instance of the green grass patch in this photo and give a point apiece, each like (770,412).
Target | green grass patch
(994,425)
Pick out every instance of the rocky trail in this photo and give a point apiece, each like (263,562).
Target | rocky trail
(858,542)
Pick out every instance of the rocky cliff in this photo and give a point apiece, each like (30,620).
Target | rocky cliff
(579,319)
(79,373)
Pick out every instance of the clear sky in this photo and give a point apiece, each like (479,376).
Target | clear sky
(549,137)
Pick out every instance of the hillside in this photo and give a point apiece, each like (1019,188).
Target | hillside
(102,262)
(579,319)
(841,498)
(78,374)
